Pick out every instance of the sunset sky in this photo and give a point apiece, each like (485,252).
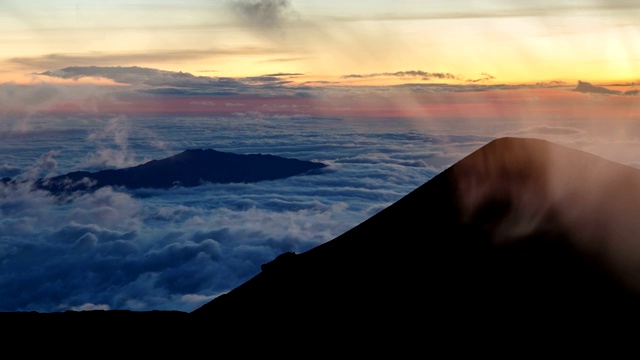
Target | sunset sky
(330,58)
(495,41)
(388,92)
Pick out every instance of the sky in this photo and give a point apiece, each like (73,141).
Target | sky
(559,40)
(389,93)
(335,58)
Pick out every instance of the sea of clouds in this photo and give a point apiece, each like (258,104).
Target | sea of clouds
(177,249)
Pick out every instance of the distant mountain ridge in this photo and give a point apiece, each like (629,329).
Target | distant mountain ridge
(189,168)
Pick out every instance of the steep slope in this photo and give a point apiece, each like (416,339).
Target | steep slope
(189,168)
(520,232)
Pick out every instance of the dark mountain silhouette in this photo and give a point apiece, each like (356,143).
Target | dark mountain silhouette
(586,87)
(521,232)
(522,242)
(187,169)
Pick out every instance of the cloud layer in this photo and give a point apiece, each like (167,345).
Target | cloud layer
(177,249)
(159,249)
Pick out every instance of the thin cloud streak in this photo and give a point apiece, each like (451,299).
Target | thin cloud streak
(499,9)
(409,74)
(134,75)
(55,61)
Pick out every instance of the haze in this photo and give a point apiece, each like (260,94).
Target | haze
(388,93)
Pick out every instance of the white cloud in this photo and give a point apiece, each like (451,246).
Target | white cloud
(31,99)
(177,249)
(90,307)
(112,146)
(263,14)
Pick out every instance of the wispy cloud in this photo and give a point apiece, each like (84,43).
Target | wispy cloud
(409,74)
(467,9)
(284,74)
(485,77)
(422,75)
(263,14)
(287,59)
(40,97)
(13,96)
(112,146)
(60,60)
(162,82)
(134,75)
(545,131)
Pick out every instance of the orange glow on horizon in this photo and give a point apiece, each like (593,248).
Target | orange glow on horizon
(523,104)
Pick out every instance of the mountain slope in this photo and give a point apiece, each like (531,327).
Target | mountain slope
(520,232)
